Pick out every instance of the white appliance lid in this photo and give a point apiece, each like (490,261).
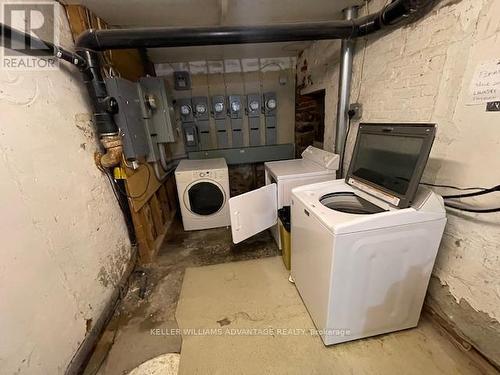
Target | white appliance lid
(428,207)
(187,165)
(296,168)
(324,158)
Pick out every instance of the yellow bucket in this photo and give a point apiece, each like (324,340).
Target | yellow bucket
(286,248)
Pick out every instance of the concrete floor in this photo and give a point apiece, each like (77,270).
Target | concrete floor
(246,295)
(247,318)
(153,293)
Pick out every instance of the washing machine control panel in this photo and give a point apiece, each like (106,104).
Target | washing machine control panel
(213,175)
(203,174)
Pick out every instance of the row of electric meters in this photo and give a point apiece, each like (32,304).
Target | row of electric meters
(195,119)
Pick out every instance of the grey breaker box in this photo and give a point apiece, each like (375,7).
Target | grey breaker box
(158,108)
(202,118)
(188,126)
(129,118)
(158,114)
(270,113)
(236,116)
(219,113)
(253,112)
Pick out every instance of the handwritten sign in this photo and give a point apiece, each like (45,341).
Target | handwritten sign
(485,84)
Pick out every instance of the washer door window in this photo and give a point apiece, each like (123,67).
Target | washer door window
(205,198)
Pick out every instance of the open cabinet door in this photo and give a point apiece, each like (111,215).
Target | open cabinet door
(253,212)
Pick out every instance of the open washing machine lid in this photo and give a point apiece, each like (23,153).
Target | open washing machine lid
(335,203)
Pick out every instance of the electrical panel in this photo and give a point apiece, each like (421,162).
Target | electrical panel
(129,118)
(219,114)
(182,80)
(189,129)
(202,120)
(228,114)
(235,110)
(253,111)
(158,109)
(158,115)
(144,116)
(270,113)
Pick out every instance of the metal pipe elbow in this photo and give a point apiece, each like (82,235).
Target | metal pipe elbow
(112,156)
(87,40)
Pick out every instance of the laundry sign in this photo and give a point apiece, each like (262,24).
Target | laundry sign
(485,84)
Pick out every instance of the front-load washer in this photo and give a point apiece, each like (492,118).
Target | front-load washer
(257,210)
(203,190)
(360,263)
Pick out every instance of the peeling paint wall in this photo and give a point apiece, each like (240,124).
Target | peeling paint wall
(422,72)
(64,241)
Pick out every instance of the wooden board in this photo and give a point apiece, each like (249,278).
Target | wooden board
(152,203)
(141,185)
(152,222)
(127,63)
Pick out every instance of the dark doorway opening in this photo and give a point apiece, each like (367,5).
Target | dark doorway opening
(309,120)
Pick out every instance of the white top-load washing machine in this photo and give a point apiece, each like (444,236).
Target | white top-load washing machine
(363,248)
(203,190)
(257,210)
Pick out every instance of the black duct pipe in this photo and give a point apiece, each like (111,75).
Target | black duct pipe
(100,40)
(92,41)
(104,105)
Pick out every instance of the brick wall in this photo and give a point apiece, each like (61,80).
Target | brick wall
(421,73)
(309,119)
(245,177)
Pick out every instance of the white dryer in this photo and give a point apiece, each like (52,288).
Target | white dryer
(315,166)
(203,190)
(363,248)
(257,210)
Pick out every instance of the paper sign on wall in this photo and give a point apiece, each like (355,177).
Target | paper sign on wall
(485,85)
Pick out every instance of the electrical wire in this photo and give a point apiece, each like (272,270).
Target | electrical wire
(271,63)
(474,194)
(140,195)
(342,156)
(452,187)
(114,188)
(481,191)
(123,206)
(474,210)
(362,67)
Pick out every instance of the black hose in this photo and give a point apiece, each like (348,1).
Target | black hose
(473,194)
(101,101)
(470,209)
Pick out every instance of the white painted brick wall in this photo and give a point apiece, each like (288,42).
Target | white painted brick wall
(64,241)
(421,72)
